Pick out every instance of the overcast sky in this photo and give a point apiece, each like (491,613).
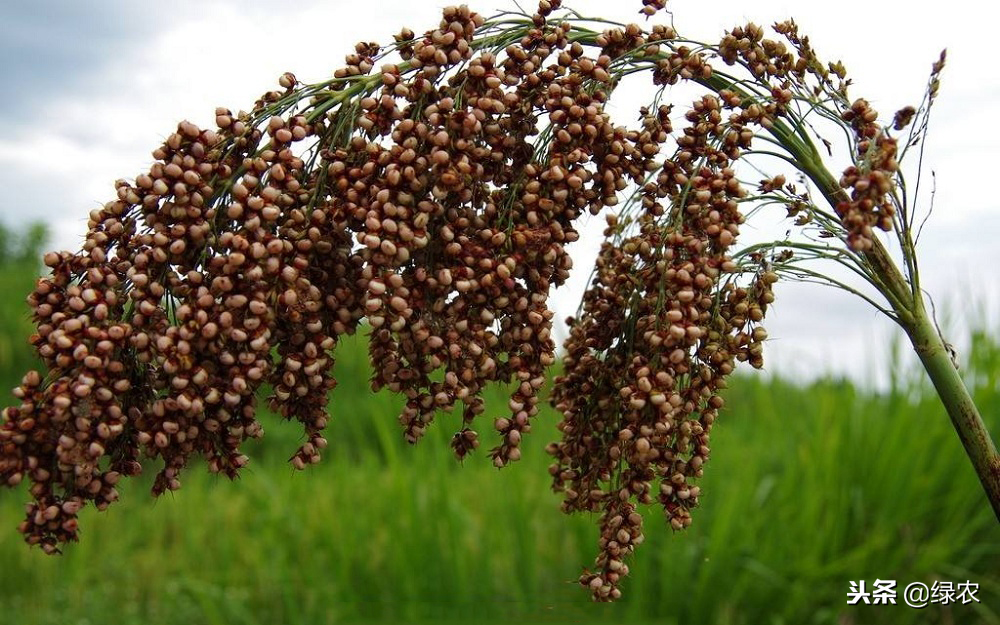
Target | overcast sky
(89,89)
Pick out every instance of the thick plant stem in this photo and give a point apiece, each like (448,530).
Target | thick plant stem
(935,357)
(911,314)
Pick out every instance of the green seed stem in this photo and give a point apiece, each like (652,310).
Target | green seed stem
(936,359)
(927,343)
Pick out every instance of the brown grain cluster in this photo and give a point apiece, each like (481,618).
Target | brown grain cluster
(427,193)
(420,202)
(662,326)
(871,180)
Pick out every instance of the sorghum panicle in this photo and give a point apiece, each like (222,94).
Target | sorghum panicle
(431,200)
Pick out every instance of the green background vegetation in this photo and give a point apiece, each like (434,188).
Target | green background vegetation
(809,486)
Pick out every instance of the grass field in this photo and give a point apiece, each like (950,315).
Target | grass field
(809,487)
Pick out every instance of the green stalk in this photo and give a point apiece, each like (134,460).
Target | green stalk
(911,315)
(935,357)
